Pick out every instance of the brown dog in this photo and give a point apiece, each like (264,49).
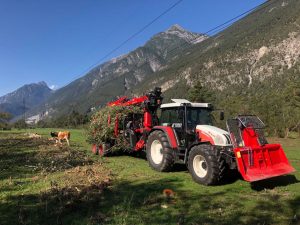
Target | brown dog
(61,135)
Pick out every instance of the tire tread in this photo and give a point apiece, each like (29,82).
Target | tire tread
(168,154)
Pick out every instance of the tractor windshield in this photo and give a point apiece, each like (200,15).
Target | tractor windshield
(198,116)
(194,116)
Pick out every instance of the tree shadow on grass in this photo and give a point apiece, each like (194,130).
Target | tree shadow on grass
(141,202)
(274,182)
(144,203)
(231,175)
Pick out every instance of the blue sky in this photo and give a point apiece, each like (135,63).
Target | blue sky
(57,41)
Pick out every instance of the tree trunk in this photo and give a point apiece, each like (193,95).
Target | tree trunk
(287,132)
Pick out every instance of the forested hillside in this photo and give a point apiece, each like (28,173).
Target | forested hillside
(109,79)
(251,67)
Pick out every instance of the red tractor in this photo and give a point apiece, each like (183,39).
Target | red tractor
(184,133)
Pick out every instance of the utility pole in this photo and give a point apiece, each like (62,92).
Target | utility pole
(125,87)
(24,114)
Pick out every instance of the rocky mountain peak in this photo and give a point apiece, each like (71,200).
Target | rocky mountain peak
(42,83)
(175,28)
(180,33)
(134,67)
(34,94)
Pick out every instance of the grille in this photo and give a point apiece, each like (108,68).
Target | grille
(227,138)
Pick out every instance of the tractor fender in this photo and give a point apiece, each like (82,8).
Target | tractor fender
(198,143)
(193,145)
(170,135)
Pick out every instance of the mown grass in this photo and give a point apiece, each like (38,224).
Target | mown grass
(135,195)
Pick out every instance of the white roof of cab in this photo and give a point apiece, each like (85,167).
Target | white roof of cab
(178,102)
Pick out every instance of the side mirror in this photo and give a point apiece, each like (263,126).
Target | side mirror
(221,115)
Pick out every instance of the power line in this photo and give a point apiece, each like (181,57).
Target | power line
(211,31)
(226,24)
(192,58)
(133,36)
(141,30)
(234,18)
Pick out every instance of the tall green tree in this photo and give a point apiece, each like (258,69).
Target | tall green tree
(20,124)
(4,118)
(200,93)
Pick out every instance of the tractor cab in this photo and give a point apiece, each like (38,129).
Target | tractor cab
(181,111)
(192,123)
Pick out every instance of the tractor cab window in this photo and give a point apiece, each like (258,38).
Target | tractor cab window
(198,116)
(170,116)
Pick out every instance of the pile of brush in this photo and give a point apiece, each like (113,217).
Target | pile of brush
(107,124)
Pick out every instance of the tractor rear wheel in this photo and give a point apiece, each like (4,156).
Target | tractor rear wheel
(203,165)
(159,152)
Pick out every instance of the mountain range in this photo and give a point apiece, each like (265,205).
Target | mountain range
(111,78)
(25,98)
(252,66)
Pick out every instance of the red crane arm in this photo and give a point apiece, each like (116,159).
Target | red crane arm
(124,101)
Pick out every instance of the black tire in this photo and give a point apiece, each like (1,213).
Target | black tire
(205,158)
(168,157)
(223,167)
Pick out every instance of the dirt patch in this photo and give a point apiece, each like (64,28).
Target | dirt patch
(70,181)
(77,190)
(77,186)
(93,176)
(53,158)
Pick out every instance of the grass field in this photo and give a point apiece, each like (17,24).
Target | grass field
(43,184)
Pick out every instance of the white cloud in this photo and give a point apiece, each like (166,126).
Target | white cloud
(53,87)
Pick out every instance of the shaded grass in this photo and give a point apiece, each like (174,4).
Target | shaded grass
(42,184)
(136,194)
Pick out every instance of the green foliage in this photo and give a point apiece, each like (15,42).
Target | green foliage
(224,61)
(71,120)
(75,119)
(4,118)
(104,122)
(20,124)
(200,93)
(275,101)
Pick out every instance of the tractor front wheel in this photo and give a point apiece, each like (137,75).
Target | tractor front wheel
(203,165)
(159,152)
